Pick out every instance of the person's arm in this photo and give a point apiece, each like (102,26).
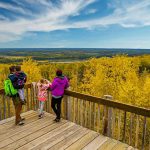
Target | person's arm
(67,84)
(53,85)
(45,86)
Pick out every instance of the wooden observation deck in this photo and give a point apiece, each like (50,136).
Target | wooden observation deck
(89,123)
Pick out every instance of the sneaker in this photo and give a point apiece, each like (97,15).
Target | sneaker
(40,116)
(22,119)
(20,123)
(57,120)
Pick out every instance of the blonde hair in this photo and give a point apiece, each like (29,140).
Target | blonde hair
(43,81)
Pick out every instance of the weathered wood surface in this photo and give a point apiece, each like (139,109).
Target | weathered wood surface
(122,106)
(46,134)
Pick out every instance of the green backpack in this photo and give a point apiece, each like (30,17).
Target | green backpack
(9,89)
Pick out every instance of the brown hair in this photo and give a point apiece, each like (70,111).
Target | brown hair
(42,81)
(12,69)
(59,73)
(18,68)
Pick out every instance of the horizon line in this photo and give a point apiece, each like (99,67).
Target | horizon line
(73,48)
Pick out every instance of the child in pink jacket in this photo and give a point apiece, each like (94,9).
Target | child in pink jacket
(42,85)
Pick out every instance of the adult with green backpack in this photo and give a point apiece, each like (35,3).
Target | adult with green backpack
(12,92)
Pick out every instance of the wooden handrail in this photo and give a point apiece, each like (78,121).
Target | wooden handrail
(122,106)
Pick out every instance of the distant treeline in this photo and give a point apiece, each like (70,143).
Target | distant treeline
(56,55)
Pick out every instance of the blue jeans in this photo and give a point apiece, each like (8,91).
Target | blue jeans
(41,106)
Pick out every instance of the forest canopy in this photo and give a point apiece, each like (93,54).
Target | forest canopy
(126,78)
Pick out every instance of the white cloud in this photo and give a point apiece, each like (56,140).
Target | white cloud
(3,18)
(91,11)
(8,37)
(127,15)
(56,17)
(13,8)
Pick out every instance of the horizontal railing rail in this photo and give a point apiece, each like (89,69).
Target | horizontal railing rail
(124,122)
(122,106)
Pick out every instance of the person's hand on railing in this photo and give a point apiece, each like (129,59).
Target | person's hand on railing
(48,89)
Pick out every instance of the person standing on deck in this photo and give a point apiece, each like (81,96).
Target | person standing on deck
(59,84)
(42,86)
(16,99)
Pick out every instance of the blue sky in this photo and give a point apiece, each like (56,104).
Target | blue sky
(75,23)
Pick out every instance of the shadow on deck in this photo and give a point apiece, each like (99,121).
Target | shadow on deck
(46,134)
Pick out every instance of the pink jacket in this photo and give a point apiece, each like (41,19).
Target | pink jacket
(42,91)
(58,86)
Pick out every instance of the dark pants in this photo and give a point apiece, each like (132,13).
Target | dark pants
(18,108)
(56,105)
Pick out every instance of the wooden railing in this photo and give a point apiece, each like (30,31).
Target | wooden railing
(126,123)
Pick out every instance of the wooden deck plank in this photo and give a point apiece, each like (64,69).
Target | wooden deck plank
(33,136)
(108,145)
(45,130)
(21,129)
(96,143)
(45,137)
(82,142)
(52,140)
(70,139)
(12,118)
(20,134)
(11,124)
(120,146)
(12,127)
(46,134)
(131,148)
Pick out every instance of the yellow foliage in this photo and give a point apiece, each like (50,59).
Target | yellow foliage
(30,67)
(127,79)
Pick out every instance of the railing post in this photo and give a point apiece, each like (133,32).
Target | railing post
(34,96)
(124,128)
(68,108)
(8,106)
(4,107)
(0,110)
(27,98)
(107,118)
(144,133)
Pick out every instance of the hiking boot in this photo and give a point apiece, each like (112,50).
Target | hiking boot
(56,120)
(20,123)
(22,119)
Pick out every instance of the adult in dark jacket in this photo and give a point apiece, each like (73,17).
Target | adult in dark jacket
(16,100)
(59,84)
